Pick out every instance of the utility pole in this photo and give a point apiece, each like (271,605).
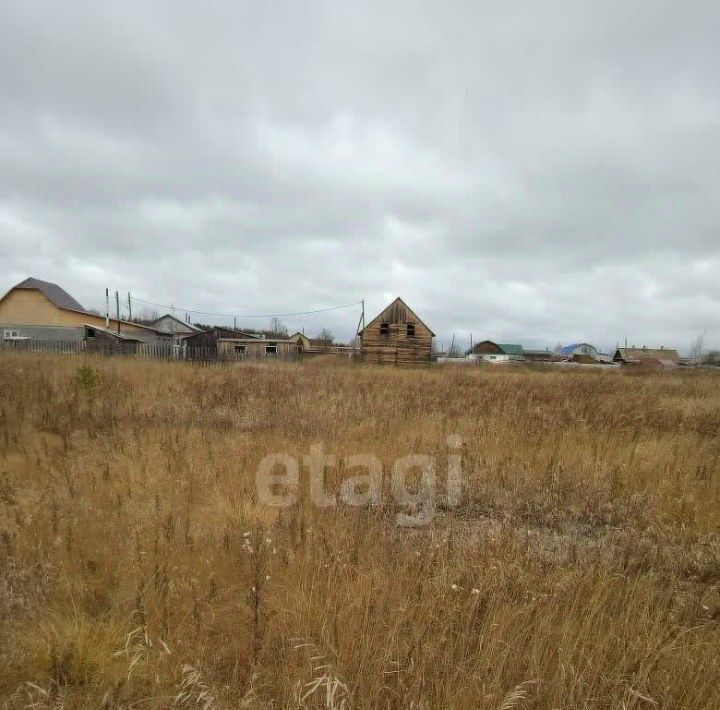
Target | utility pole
(360,325)
(129,307)
(107,308)
(117,308)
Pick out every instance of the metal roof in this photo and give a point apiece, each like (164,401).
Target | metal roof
(60,298)
(631,354)
(54,293)
(510,348)
(568,349)
(190,327)
(113,333)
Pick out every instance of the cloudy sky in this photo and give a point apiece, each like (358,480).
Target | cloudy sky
(534,172)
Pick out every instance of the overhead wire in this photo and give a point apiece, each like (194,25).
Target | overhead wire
(236,315)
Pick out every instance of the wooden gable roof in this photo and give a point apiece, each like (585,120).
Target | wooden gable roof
(397,312)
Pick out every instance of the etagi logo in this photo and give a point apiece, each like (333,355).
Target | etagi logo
(277,481)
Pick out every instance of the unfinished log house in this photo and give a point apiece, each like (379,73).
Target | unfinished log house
(396,337)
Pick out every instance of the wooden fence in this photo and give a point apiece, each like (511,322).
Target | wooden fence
(205,356)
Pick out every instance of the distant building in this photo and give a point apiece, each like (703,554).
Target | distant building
(209,338)
(310,346)
(546,355)
(174,326)
(44,311)
(497,353)
(584,352)
(106,341)
(256,349)
(396,336)
(662,357)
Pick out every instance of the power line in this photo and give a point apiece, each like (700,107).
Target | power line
(234,315)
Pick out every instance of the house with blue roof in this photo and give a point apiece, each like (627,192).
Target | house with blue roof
(579,351)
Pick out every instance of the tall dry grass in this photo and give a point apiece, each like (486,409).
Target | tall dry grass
(138,569)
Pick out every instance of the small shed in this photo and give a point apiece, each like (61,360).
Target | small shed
(107,341)
(209,338)
(396,336)
(662,357)
(546,355)
(257,349)
(311,346)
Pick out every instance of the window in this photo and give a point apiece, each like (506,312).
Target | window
(385,329)
(9,334)
(271,349)
(240,348)
(411,330)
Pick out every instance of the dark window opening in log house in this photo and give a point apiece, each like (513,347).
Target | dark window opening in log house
(385,329)
(240,348)
(411,330)
(271,349)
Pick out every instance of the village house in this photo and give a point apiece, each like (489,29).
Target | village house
(662,357)
(208,339)
(256,349)
(174,326)
(396,336)
(584,353)
(40,310)
(495,353)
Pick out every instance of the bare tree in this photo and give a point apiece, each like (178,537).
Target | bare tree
(696,349)
(712,358)
(326,336)
(277,328)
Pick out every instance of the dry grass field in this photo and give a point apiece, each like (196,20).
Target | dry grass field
(138,569)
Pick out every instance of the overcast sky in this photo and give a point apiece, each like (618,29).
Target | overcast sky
(533,172)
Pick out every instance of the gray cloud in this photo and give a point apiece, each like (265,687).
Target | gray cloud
(537,172)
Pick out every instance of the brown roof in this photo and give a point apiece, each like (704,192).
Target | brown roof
(54,293)
(397,312)
(636,354)
(60,298)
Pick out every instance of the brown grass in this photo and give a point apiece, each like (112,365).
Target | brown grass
(138,569)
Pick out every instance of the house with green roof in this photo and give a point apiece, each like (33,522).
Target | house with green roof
(496,353)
